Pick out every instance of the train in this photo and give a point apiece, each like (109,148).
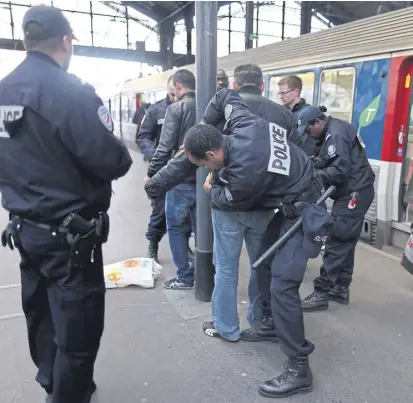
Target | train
(362,72)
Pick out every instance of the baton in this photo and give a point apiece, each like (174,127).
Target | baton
(281,241)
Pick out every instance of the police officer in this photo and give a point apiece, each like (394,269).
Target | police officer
(249,83)
(340,160)
(258,168)
(54,131)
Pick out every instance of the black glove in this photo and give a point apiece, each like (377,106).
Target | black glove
(290,211)
(6,237)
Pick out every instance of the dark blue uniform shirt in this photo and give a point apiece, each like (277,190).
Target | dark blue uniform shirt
(58,153)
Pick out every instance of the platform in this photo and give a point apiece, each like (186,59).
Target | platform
(154,351)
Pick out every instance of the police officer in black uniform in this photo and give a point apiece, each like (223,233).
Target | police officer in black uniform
(258,168)
(58,156)
(340,159)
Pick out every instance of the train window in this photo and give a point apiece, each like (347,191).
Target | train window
(307,92)
(337,92)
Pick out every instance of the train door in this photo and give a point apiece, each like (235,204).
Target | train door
(405,145)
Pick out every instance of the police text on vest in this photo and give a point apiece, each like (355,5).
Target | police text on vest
(280,159)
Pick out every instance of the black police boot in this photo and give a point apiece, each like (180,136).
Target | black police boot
(153,251)
(297,378)
(340,294)
(263,332)
(317,301)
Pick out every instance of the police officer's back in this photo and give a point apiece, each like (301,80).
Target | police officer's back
(340,160)
(151,125)
(58,156)
(248,82)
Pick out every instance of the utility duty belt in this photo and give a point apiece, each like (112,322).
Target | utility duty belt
(82,235)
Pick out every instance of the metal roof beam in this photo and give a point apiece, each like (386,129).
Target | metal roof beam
(149,57)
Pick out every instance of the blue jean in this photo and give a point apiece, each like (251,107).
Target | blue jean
(181,202)
(230,230)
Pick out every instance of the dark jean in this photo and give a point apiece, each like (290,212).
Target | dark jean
(157,222)
(181,202)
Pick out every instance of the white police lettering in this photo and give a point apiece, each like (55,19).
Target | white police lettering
(331,151)
(228,195)
(160,121)
(105,118)
(9,113)
(321,238)
(280,159)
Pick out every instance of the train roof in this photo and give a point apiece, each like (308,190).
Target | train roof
(386,33)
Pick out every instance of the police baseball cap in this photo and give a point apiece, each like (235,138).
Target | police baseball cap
(307,115)
(51,19)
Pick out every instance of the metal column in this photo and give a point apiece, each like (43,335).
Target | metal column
(249,24)
(206,72)
(306,14)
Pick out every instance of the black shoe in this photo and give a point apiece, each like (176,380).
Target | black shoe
(297,378)
(176,284)
(340,294)
(317,301)
(263,332)
(153,251)
(209,330)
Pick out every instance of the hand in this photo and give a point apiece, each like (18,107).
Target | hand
(180,152)
(146,179)
(208,183)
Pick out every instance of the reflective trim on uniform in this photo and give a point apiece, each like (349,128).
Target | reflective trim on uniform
(328,136)
(159,121)
(280,158)
(9,113)
(104,117)
(228,195)
(360,140)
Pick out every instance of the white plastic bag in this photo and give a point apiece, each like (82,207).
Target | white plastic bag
(136,271)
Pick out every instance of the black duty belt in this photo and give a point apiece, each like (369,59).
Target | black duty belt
(47,227)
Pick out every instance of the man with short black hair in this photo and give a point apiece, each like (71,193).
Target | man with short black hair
(180,200)
(58,136)
(222,80)
(257,169)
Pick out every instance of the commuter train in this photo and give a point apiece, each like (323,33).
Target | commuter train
(362,73)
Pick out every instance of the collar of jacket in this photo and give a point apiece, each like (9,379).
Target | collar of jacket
(249,89)
(189,94)
(42,56)
(299,105)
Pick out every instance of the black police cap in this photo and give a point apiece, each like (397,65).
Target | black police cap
(51,19)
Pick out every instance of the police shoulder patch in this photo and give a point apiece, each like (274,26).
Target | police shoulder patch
(331,151)
(9,113)
(104,117)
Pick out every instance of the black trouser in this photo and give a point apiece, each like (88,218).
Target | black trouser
(64,309)
(157,222)
(287,272)
(338,259)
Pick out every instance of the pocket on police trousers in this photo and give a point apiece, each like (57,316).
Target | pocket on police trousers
(347,228)
(81,320)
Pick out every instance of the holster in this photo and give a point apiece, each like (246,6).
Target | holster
(83,237)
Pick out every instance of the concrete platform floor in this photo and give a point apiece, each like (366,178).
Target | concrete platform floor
(154,351)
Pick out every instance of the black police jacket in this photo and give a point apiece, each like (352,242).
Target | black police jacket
(179,168)
(58,153)
(180,117)
(341,159)
(263,168)
(151,127)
